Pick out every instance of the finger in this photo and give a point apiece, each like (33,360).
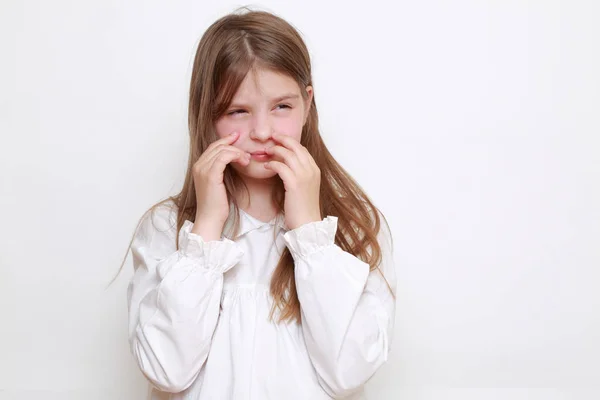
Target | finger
(288,156)
(211,157)
(244,159)
(293,145)
(220,162)
(282,170)
(227,140)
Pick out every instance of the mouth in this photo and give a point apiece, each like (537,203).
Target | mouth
(260,156)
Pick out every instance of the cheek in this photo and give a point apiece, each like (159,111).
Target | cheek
(224,127)
(290,125)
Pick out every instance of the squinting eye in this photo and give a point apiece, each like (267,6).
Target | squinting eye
(234,112)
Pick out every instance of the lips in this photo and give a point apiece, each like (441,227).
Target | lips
(260,156)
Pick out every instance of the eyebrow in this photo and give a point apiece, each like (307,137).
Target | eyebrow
(288,96)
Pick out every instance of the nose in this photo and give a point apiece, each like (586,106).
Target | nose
(261,129)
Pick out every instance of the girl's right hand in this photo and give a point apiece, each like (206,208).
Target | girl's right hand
(212,206)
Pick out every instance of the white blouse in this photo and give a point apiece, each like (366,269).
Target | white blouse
(199,323)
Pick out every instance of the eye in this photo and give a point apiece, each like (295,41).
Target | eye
(235,112)
(284,106)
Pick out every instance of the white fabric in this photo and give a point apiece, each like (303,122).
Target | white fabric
(198,317)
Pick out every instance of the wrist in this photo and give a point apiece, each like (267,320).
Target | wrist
(303,221)
(207,229)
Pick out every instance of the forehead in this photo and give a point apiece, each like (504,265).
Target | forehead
(263,83)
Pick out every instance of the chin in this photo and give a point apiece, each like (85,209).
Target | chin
(254,170)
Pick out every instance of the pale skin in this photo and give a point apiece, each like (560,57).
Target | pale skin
(266,114)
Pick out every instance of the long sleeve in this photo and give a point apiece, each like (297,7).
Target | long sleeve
(174,299)
(347,310)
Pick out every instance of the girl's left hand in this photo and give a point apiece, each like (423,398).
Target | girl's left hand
(301,178)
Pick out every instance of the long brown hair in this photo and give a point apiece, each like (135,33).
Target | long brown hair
(231,47)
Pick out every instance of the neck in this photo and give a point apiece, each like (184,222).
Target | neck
(259,198)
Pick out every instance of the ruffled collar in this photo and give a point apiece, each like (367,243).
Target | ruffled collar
(248,223)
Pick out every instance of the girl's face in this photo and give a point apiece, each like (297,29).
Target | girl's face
(266,102)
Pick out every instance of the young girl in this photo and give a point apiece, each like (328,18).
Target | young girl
(270,276)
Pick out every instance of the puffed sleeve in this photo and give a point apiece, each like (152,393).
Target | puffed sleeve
(347,310)
(174,298)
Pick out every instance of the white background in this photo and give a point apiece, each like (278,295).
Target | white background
(474,125)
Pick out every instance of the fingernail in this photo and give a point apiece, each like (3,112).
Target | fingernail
(233,133)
